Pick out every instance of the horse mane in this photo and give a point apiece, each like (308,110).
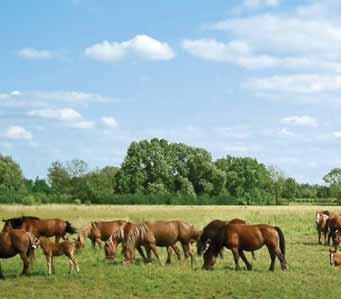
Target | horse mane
(18,221)
(119,234)
(137,233)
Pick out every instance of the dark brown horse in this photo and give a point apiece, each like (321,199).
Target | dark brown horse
(158,233)
(333,224)
(41,227)
(98,231)
(321,221)
(244,237)
(210,232)
(15,241)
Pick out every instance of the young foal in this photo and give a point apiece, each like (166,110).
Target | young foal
(51,249)
(334,257)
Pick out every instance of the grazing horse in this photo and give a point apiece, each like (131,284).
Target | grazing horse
(244,237)
(333,224)
(98,231)
(110,246)
(51,249)
(321,218)
(158,233)
(17,241)
(41,227)
(210,231)
(334,257)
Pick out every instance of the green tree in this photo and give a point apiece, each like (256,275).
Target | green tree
(59,178)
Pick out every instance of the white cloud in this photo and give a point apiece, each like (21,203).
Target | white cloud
(142,46)
(31,53)
(17,133)
(300,120)
(109,121)
(301,84)
(67,116)
(284,132)
(337,134)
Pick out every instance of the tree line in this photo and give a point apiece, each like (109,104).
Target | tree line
(159,172)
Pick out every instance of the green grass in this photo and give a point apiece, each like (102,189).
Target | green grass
(309,275)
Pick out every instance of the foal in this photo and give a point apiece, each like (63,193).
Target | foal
(334,257)
(51,249)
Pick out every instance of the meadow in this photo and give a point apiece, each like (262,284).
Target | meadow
(309,275)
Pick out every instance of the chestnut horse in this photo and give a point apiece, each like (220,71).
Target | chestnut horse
(244,237)
(333,224)
(321,218)
(110,246)
(210,231)
(51,249)
(41,227)
(158,233)
(334,257)
(98,231)
(17,241)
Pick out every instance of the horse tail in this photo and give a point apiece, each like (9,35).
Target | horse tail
(281,240)
(69,228)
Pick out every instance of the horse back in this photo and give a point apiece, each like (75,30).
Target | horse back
(46,227)
(104,229)
(165,232)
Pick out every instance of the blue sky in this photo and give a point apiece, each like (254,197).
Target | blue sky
(84,78)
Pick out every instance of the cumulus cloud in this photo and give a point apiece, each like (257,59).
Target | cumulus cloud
(67,116)
(35,54)
(109,121)
(141,46)
(17,133)
(300,120)
(337,134)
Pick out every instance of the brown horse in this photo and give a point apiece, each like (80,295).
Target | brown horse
(333,224)
(41,227)
(110,246)
(321,218)
(158,233)
(98,231)
(15,241)
(334,257)
(210,232)
(51,249)
(244,237)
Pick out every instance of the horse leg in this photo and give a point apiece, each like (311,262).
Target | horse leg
(1,274)
(49,264)
(93,242)
(236,258)
(187,252)
(153,248)
(319,235)
(169,255)
(26,263)
(273,258)
(281,258)
(57,239)
(177,251)
(70,266)
(246,262)
(253,255)
(140,250)
(99,243)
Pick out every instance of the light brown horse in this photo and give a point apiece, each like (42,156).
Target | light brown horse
(158,233)
(110,246)
(210,232)
(51,249)
(98,231)
(15,241)
(41,227)
(321,218)
(334,257)
(244,237)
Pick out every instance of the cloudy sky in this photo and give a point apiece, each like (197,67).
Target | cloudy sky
(84,78)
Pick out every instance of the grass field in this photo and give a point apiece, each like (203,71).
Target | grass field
(309,275)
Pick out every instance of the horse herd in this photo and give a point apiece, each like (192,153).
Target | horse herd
(22,235)
(328,225)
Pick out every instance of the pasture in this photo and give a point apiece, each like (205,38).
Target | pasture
(309,275)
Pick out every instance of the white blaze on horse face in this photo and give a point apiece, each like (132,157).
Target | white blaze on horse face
(318,217)
(332,257)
